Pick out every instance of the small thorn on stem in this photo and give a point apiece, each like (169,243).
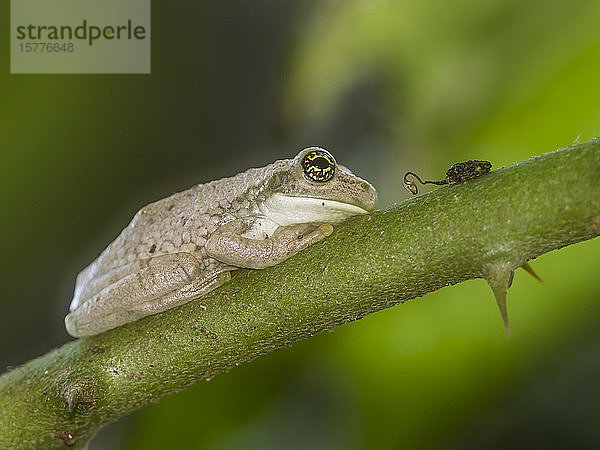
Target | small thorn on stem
(499,278)
(500,294)
(530,271)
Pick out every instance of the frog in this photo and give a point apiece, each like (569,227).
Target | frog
(186,245)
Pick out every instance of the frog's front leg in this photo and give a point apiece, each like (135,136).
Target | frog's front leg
(162,283)
(230,244)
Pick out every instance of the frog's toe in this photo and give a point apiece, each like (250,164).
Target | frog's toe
(326,229)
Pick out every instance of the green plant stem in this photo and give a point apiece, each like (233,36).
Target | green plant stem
(482,228)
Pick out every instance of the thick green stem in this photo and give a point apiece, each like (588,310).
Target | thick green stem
(478,229)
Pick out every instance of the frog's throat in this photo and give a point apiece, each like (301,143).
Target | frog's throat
(287,210)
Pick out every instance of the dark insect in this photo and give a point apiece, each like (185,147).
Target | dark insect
(318,166)
(458,173)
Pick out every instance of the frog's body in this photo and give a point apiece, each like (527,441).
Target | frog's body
(181,247)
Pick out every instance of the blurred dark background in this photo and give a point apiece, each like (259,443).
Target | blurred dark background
(387,86)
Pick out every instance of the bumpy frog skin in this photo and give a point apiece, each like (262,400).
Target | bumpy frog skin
(179,248)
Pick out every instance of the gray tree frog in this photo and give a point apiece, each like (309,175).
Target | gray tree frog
(181,247)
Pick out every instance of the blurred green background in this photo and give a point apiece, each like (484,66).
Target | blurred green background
(387,86)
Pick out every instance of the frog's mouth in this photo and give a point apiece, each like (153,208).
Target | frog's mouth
(288,210)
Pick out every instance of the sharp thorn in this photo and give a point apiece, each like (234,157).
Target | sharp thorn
(499,278)
(530,271)
(500,294)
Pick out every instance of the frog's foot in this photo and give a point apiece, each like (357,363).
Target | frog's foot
(199,287)
(228,244)
(301,235)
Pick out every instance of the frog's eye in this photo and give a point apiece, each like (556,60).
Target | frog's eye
(318,165)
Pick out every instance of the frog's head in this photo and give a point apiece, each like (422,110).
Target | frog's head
(313,188)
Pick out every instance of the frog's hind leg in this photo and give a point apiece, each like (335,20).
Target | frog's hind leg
(197,288)
(89,283)
(165,282)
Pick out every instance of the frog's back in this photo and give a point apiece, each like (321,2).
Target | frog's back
(181,222)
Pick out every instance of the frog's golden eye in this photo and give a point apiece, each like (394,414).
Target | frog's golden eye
(318,166)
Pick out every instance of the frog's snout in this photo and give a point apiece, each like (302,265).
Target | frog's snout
(368,198)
